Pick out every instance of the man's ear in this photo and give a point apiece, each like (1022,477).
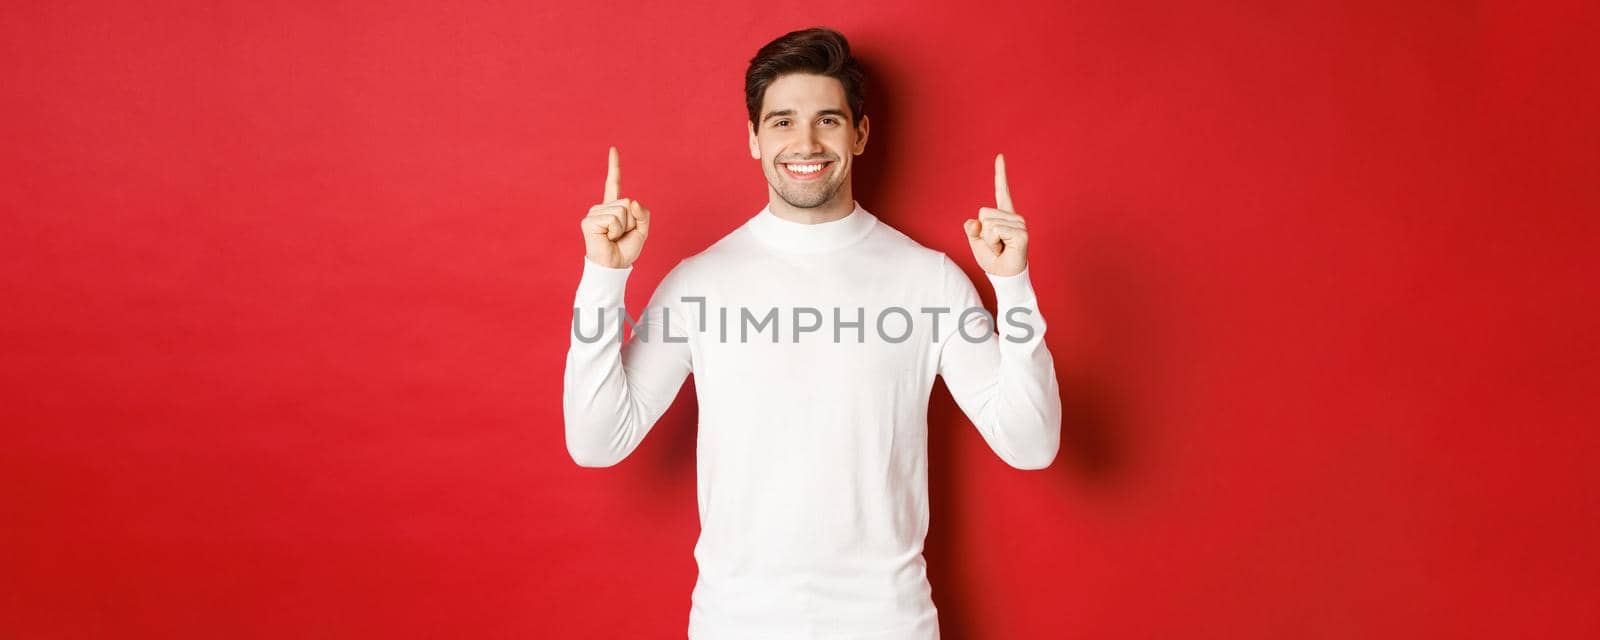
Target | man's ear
(861,135)
(755,147)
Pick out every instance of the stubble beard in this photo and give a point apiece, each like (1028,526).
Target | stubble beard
(804,196)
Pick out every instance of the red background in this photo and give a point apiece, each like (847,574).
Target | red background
(287,293)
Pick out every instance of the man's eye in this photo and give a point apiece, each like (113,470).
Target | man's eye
(829,120)
(780,123)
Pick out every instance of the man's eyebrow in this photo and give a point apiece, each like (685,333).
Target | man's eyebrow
(789,112)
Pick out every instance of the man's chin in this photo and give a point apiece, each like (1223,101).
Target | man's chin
(805,200)
(806,203)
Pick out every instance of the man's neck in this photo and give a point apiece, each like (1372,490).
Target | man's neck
(835,208)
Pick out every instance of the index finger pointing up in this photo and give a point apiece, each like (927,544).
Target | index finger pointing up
(1002,191)
(613,177)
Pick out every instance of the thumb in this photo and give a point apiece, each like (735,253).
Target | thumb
(980,249)
(633,216)
(641,218)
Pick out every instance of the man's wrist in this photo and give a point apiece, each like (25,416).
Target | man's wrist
(1013,288)
(600,279)
(591,261)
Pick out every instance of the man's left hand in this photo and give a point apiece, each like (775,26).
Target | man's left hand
(999,237)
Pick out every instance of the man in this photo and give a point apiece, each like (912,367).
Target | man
(812,447)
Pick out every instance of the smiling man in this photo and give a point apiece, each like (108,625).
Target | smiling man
(811,455)
(805,142)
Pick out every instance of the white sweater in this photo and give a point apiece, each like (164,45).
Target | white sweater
(812,466)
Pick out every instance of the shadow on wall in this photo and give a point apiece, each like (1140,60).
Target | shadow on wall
(871,176)
(1099,438)
(1111,303)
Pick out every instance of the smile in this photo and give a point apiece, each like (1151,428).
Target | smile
(805,171)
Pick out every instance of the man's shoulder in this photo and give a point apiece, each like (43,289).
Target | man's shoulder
(892,240)
(729,250)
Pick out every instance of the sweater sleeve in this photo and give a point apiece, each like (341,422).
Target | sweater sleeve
(1005,383)
(613,392)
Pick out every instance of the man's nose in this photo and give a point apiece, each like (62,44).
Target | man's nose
(811,143)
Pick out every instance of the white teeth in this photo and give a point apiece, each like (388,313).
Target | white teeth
(805,168)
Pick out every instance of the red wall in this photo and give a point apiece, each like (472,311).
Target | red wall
(287,295)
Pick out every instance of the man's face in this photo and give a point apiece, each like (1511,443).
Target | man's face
(805,124)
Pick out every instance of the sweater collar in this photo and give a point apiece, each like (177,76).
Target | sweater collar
(799,237)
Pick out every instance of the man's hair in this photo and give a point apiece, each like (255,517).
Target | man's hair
(818,50)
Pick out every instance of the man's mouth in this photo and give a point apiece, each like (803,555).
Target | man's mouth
(806,170)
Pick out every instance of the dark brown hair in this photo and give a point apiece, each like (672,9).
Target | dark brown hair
(817,50)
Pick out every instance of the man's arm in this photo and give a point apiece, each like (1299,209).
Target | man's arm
(613,393)
(1005,383)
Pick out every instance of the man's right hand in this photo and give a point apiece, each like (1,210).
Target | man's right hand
(614,230)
